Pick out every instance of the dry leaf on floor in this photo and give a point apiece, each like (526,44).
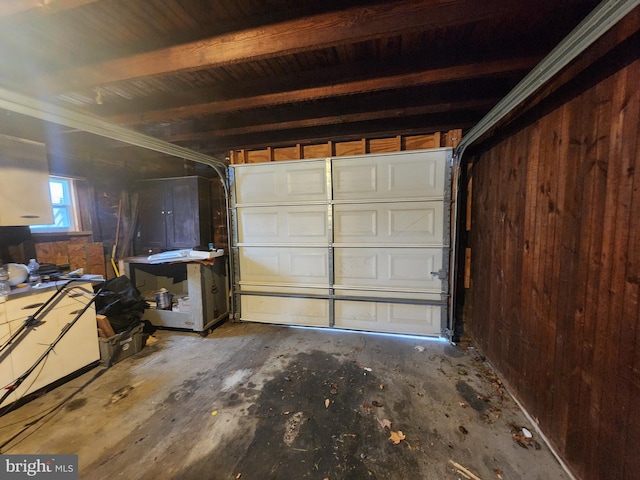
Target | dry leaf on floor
(326,403)
(397,437)
(382,386)
(376,403)
(462,404)
(498,473)
(385,423)
(463,430)
(238,475)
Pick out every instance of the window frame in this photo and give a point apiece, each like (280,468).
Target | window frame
(71,206)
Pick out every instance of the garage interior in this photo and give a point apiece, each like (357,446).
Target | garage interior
(540,296)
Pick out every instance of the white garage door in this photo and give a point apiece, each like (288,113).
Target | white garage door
(350,242)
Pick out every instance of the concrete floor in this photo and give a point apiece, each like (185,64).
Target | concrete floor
(257,401)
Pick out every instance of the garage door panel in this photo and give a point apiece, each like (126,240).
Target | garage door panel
(388,317)
(301,182)
(284,289)
(284,265)
(408,268)
(349,242)
(407,175)
(387,293)
(352,179)
(419,178)
(285,310)
(402,223)
(294,225)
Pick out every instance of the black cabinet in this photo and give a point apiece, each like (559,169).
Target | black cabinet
(173,213)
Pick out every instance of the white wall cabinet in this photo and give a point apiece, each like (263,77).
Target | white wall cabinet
(24,183)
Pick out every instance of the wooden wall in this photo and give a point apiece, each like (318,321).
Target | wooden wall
(76,252)
(555,245)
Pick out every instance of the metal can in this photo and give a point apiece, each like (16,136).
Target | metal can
(163,299)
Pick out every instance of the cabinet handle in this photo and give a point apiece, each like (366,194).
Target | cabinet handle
(162,212)
(169,212)
(32,306)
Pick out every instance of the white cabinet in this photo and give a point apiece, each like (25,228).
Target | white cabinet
(204,284)
(6,365)
(77,348)
(24,183)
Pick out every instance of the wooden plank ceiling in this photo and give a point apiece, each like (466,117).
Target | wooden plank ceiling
(230,74)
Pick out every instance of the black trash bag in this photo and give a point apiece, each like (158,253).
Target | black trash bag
(121,302)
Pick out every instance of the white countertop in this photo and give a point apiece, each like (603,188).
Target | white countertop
(44,286)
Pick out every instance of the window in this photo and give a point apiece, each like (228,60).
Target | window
(63,200)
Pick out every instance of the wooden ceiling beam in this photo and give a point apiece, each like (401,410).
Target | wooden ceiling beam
(289,37)
(335,120)
(438,75)
(12,7)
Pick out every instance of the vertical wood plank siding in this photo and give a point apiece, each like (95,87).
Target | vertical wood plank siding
(556,269)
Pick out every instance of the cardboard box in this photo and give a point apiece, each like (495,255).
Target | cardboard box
(183,304)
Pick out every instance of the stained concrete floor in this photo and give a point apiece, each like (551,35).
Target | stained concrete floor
(255,401)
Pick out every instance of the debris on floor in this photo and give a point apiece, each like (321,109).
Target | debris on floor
(523,437)
(464,471)
(397,437)
(385,423)
(305,407)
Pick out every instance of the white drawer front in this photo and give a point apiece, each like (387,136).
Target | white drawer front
(22,307)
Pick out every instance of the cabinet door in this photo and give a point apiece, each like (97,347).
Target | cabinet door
(26,351)
(186,211)
(6,365)
(152,213)
(24,183)
(79,347)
